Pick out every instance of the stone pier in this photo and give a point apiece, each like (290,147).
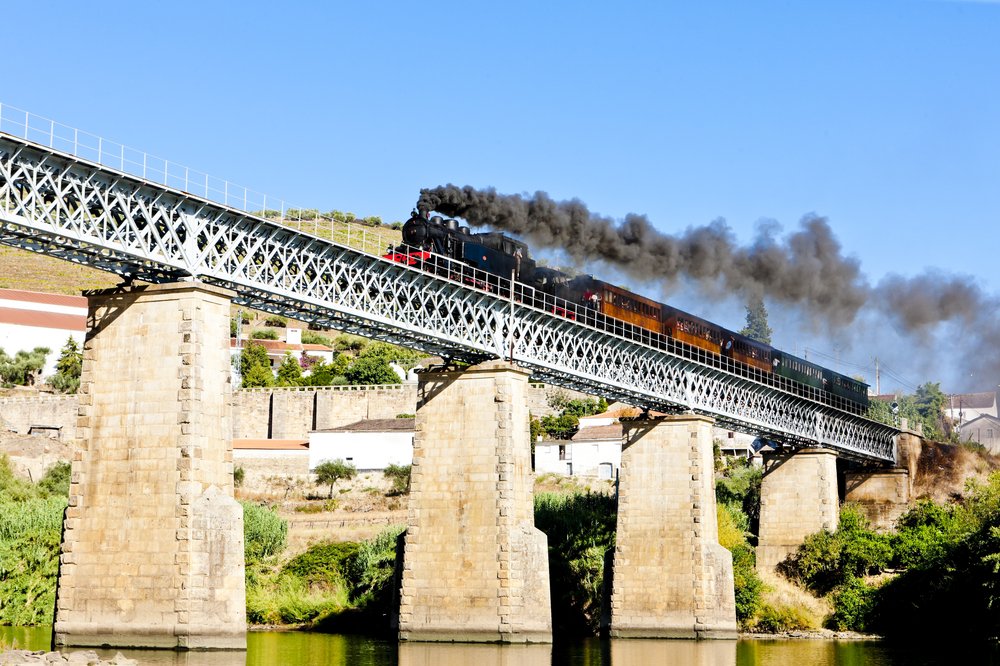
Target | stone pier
(798,496)
(670,577)
(475,569)
(152,552)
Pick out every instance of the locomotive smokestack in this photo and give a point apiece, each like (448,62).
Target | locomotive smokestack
(807,269)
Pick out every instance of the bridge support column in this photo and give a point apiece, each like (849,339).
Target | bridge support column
(670,578)
(475,569)
(152,552)
(798,496)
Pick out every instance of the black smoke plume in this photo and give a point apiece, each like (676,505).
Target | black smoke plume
(807,269)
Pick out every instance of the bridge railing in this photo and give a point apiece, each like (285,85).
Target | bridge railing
(117,156)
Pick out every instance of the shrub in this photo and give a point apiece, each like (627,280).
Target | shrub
(323,563)
(580,530)
(370,570)
(733,524)
(238,475)
(56,480)
(276,321)
(264,334)
(400,476)
(264,532)
(853,602)
(310,338)
(779,619)
(829,559)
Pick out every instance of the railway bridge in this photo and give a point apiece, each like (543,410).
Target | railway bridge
(156,404)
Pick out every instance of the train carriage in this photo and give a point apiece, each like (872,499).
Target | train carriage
(430,242)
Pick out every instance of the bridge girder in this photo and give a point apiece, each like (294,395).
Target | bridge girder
(57,204)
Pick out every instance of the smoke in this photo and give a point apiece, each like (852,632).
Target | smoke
(806,270)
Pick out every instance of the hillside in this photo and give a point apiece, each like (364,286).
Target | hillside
(20,269)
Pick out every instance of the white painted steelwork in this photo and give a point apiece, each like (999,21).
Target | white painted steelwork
(63,205)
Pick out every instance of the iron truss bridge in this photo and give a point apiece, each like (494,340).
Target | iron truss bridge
(56,202)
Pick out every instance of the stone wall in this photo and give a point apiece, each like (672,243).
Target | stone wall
(19,414)
(268,413)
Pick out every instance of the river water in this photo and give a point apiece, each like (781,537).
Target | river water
(310,649)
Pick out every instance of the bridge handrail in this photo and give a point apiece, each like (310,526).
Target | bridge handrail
(114,155)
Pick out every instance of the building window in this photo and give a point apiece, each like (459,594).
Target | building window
(605,470)
(562,452)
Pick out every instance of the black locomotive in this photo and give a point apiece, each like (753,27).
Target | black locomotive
(444,247)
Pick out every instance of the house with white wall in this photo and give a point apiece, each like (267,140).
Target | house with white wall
(369,445)
(595,450)
(967,407)
(30,319)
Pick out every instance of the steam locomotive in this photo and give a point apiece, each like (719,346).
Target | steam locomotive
(435,244)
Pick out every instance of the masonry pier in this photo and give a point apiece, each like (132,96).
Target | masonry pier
(152,552)
(798,496)
(475,569)
(670,577)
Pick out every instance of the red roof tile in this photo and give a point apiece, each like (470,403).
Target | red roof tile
(46,299)
(65,322)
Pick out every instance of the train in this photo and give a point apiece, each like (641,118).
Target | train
(439,244)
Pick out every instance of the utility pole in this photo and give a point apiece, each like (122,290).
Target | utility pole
(878,387)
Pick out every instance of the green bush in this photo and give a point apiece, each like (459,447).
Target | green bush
(311,338)
(264,334)
(276,320)
(733,525)
(853,602)
(829,559)
(370,570)
(290,600)
(779,619)
(56,480)
(400,476)
(323,563)
(264,532)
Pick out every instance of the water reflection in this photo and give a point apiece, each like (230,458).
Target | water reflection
(460,654)
(688,653)
(310,649)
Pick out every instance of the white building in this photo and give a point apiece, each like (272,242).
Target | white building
(31,319)
(595,450)
(369,445)
(962,409)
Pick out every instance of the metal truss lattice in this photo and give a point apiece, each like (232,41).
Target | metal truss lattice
(60,205)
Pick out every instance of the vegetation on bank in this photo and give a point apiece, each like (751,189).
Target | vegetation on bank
(938,571)
(30,529)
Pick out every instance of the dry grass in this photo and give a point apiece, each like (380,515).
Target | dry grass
(781,593)
(943,470)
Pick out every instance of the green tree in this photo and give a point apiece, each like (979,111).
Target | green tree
(331,471)
(757,328)
(255,366)
(289,372)
(407,358)
(20,370)
(371,370)
(68,368)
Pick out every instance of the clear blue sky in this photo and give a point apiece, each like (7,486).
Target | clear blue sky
(883,116)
